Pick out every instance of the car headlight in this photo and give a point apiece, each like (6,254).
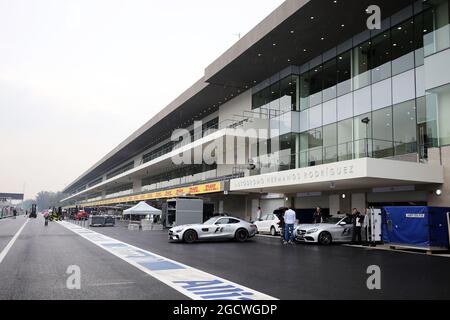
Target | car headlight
(177,230)
(312,231)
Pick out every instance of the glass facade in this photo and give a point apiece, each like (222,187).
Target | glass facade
(367,101)
(279,97)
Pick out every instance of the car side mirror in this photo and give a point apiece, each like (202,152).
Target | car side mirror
(343,223)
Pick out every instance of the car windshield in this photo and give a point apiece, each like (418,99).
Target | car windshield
(210,221)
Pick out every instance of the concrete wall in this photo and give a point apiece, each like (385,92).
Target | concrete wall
(237,106)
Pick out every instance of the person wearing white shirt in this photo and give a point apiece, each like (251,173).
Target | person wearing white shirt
(258,213)
(289,221)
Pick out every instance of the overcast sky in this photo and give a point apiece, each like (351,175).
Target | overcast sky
(78,77)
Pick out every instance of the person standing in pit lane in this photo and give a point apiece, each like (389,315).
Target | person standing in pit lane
(289,221)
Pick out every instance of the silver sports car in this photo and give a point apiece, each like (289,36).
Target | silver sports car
(336,229)
(217,228)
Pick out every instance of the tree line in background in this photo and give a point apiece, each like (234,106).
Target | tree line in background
(44,200)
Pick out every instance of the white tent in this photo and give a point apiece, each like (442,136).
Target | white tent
(142,209)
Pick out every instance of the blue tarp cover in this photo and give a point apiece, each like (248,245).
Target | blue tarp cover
(416,226)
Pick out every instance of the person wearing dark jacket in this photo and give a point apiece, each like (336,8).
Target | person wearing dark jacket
(281,222)
(358,221)
(318,215)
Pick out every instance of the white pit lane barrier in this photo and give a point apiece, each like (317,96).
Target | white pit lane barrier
(193,283)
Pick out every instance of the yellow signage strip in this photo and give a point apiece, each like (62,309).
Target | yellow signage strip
(193,190)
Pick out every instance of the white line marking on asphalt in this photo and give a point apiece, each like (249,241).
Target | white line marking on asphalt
(191,282)
(11,243)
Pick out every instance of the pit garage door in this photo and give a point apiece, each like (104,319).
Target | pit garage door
(269,206)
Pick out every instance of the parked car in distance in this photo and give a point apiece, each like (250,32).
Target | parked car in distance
(334,229)
(268,223)
(216,228)
(81,215)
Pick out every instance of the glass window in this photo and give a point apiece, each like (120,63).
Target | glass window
(439,37)
(382,133)
(382,94)
(362,101)
(344,73)
(287,142)
(404,87)
(426,126)
(316,86)
(403,44)
(345,107)
(362,136)
(330,112)
(315,117)
(274,97)
(304,91)
(345,140)
(304,121)
(311,148)
(288,94)
(405,134)
(329,75)
(262,98)
(381,57)
(330,143)
(440,101)
(361,67)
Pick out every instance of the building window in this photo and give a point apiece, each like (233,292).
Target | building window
(311,144)
(304,91)
(438,38)
(329,75)
(344,73)
(382,133)
(280,96)
(361,65)
(345,140)
(381,57)
(403,47)
(330,154)
(405,128)
(316,86)
(426,124)
(288,94)
(362,136)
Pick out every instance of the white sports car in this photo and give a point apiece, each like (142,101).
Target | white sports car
(217,228)
(336,229)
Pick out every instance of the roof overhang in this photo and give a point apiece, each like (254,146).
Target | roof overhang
(357,174)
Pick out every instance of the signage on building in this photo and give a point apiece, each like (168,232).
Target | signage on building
(323,173)
(173,193)
(273,196)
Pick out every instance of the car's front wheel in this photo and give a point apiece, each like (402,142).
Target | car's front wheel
(241,235)
(325,238)
(190,236)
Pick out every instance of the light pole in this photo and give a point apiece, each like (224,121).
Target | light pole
(366,121)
